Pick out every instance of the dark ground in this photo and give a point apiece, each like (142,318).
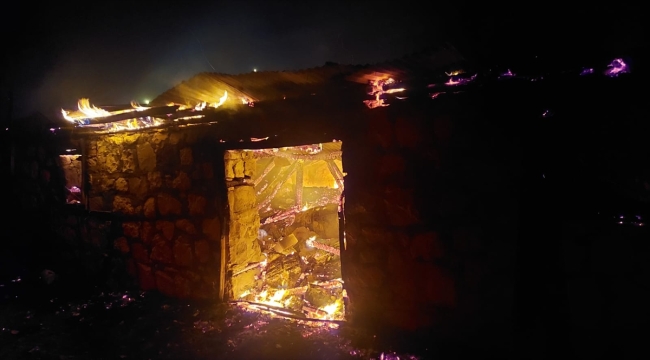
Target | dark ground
(43,322)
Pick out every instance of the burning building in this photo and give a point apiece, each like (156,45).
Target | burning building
(331,193)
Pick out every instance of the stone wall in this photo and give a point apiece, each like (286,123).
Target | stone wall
(429,213)
(163,188)
(424,249)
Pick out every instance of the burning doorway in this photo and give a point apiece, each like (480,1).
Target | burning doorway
(284,234)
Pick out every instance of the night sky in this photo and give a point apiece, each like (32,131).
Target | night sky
(113,53)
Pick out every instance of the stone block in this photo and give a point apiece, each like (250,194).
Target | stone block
(166,228)
(243,198)
(131,229)
(238,169)
(183,287)
(150,208)
(168,205)
(138,186)
(186,226)
(128,161)
(154,179)
(174,138)
(146,157)
(182,182)
(182,254)
(165,284)
(232,155)
(250,167)
(162,252)
(140,253)
(243,282)
(202,251)
(159,137)
(196,204)
(148,232)
(146,279)
(109,162)
(105,183)
(96,203)
(186,157)
(230,169)
(121,185)
(245,224)
(123,205)
(212,228)
(122,245)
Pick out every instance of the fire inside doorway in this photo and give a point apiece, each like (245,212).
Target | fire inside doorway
(284,234)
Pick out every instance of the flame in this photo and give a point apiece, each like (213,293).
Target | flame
(138,107)
(67,116)
(378,90)
(221,100)
(454,73)
(390,91)
(336,185)
(332,308)
(200,106)
(89,110)
(263,298)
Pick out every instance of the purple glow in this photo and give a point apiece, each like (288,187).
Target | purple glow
(587,71)
(616,67)
(547,113)
(435,95)
(507,74)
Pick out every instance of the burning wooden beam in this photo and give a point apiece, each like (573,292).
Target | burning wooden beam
(313,243)
(265,172)
(283,178)
(158,112)
(336,173)
(298,186)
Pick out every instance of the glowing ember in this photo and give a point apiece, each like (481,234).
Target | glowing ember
(377,87)
(460,81)
(311,242)
(616,67)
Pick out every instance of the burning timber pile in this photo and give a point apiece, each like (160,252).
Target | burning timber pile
(298,200)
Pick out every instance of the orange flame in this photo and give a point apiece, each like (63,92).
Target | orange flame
(221,100)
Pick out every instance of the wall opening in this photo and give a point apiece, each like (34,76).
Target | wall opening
(72,172)
(283,243)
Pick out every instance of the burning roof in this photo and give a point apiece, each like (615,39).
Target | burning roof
(432,72)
